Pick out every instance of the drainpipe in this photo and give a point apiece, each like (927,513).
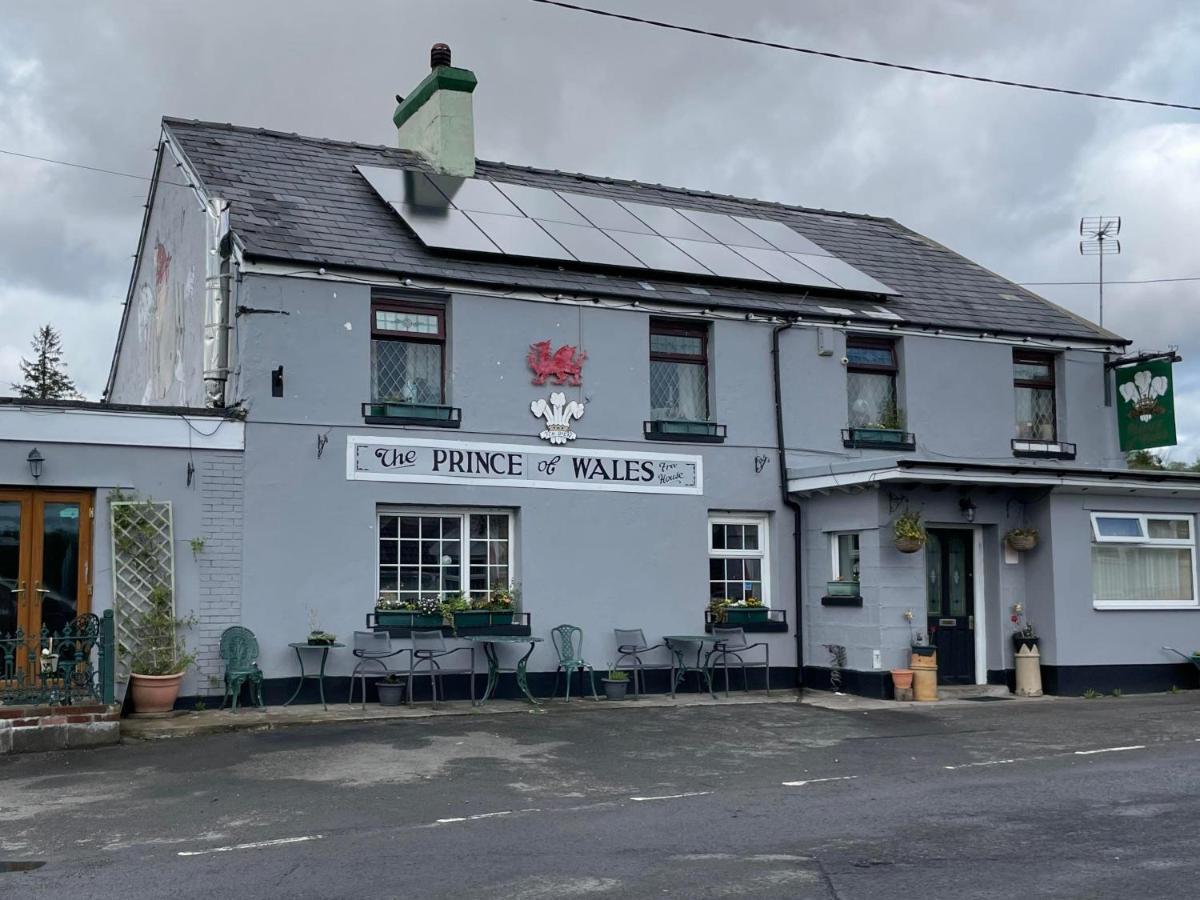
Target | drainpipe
(797,541)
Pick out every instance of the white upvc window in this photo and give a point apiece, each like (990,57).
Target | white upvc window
(1143,561)
(845,551)
(739,560)
(438,552)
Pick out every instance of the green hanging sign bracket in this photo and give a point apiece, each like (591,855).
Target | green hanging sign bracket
(1145,401)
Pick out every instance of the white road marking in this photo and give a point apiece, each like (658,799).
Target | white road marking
(1109,750)
(672,796)
(490,815)
(818,781)
(254,846)
(990,762)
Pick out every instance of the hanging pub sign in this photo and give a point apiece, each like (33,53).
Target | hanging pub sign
(521,465)
(1145,405)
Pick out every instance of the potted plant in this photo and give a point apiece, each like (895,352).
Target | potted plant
(841,588)
(496,607)
(921,645)
(1022,539)
(902,680)
(716,609)
(391,690)
(888,430)
(423,612)
(1025,635)
(908,531)
(158,658)
(740,612)
(318,636)
(616,683)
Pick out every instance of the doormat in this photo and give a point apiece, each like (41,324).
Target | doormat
(987,699)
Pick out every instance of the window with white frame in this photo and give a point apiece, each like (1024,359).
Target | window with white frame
(1143,560)
(845,556)
(439,552)
(738,558)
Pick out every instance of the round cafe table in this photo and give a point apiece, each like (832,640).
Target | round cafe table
(300,647)
(489,642)
(678,644)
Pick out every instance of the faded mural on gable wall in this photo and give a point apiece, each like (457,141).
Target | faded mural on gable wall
(162,351)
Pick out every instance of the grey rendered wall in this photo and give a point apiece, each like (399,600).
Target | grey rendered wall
(161,360)
(595,559)
(1087,636)
(207,585)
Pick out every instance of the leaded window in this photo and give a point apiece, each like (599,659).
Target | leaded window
(407,353)
(871,383)
(438,553)
(1033,385)
(678,371)
(738,558)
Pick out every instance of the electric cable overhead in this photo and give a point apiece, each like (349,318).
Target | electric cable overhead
(863,60)
(72,165)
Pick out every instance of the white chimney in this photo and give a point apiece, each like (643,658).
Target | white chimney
(436,120)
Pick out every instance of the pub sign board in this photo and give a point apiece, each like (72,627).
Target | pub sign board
(430,461)
(1145,405)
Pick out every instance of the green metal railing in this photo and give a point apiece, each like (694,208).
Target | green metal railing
(75,665)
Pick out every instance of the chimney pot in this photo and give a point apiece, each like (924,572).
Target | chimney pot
(439,55)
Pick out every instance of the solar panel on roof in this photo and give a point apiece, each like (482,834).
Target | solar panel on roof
(485,216)
(519,236)
(725,229)
(590,244)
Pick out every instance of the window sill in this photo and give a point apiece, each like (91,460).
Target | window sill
(1134,606)
(829,600)
(1027,448)
(683,431)
(878,439)
(427,416)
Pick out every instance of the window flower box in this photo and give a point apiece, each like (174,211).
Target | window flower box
(735,615)
(477,618)
(406,618)
(841,589)
(878,439)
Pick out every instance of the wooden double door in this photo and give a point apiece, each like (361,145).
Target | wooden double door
(45,559)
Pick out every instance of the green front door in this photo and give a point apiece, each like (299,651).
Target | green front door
(950,586)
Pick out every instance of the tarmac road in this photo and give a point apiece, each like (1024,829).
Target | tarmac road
(1064,798)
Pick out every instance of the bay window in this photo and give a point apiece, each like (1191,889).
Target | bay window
(1143,561)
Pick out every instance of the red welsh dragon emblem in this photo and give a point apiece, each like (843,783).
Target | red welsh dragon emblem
(564,365)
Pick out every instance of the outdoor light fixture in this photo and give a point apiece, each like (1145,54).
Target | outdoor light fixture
(967,507)
(35,463)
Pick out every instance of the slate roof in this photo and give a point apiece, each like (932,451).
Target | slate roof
(300,199)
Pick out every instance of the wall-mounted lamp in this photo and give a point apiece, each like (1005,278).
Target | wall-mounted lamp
(967,507)
(35,460)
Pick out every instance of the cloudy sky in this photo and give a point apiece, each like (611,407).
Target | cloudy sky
(1001,175)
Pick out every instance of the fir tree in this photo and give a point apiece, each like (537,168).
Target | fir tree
(45,375)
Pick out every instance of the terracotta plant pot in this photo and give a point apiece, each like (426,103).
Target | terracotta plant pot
(902,679)
(154,693)
(909,545)
(1022,542)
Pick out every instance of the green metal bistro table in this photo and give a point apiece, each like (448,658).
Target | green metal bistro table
(676,642)
(489,642)
(320,676)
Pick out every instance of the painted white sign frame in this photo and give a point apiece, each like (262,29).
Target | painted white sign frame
(354,441)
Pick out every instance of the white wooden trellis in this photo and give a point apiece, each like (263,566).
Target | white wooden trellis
(135,574)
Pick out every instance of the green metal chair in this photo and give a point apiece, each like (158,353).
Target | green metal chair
(239,651)
(568,642)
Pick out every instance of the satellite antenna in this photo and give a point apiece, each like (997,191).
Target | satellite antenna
(1099,235)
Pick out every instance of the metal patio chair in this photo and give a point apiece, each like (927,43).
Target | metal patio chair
(429,647)
(631,645)
(568,643)
(732,643)
(682,652)
(373,648)
(239,652)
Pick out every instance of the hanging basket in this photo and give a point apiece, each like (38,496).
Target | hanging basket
(909,544)
(1021,542)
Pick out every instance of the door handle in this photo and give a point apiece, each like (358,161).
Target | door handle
(42,590)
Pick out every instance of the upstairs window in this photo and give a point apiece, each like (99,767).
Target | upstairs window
(678,371)
(871,383)
(407,353)
(1033,385)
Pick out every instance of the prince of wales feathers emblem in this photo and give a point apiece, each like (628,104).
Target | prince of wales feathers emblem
(558,414)
(1143,393)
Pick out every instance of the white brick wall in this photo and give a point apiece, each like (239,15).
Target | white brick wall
(220,479)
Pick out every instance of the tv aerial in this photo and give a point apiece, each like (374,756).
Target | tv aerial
(1099,235)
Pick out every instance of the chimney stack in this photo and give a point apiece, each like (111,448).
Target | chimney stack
(436,120)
